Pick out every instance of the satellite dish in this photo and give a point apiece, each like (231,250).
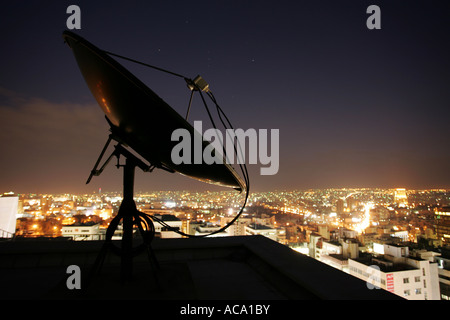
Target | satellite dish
(140,118)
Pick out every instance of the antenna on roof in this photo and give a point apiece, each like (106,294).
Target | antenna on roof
(143,122)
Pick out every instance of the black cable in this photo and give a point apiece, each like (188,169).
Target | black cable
(245,176)
(220,111)
(244,173)
(209,234)
(189,105)
(207,110)
(145,64)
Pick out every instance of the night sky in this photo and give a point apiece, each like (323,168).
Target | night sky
(355,107)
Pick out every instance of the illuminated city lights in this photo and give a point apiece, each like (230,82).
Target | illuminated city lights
(366,219)
(366,211)
(332,226)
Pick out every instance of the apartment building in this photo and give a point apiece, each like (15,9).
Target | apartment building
(397,271)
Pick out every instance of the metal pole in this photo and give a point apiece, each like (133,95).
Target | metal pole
(127,209)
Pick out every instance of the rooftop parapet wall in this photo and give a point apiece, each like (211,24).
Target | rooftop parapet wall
(235,265)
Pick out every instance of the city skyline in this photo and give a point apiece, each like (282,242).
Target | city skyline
(355,107)
(396,233)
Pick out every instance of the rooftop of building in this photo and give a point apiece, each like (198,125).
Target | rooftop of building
(385,265)
(333,242)
(82,224)
(397,245)
(169,217)
(258,226)
(335,256)
(225,268)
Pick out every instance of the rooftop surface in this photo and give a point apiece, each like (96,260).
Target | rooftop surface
(234,268)
(257,226)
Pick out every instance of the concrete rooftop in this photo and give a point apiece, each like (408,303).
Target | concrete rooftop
(233,268)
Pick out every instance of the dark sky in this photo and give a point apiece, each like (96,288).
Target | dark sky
(355,107)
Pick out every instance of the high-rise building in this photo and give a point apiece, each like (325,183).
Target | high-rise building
(442,224)
(259,229)
(315,246)
(83,231)
(340,206)
(396,271)
(400,197)
(9,204)
(337,253)
(238,227)
(170,220)
(351,204)
(324,231)
(443,263)
(210,230)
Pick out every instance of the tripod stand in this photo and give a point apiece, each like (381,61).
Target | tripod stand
(128,214)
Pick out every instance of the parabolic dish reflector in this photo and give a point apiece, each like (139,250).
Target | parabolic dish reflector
(140,118)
